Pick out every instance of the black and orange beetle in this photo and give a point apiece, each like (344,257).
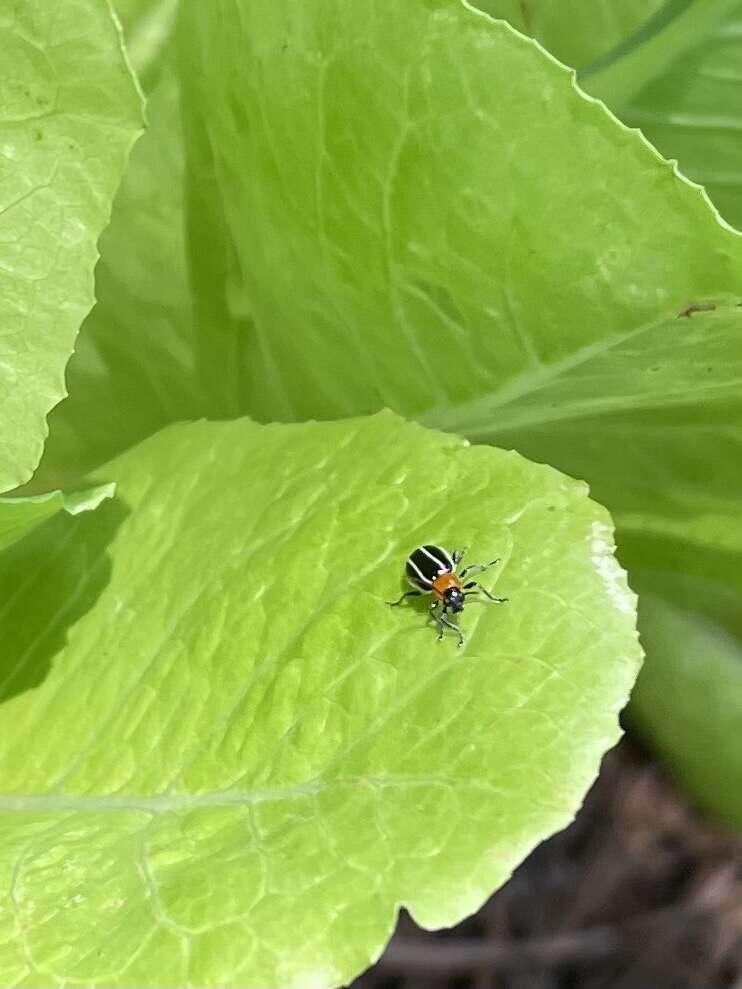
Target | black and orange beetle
(432,570)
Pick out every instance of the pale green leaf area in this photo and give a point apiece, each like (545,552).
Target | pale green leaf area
(69,113)
(401,238)
(577,32)
(19,515)
(692,658)
(242,761)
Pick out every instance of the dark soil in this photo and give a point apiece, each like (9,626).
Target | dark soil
(640,892)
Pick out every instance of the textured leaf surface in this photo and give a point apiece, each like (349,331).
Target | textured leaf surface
(19,515)
(133,369)
(241,758)
(69,112)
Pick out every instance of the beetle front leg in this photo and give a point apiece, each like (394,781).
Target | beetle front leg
(474,584)
(478,568)
(457,556)
(443,620)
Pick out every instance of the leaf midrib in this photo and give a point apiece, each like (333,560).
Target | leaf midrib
(474,418)
(163,802)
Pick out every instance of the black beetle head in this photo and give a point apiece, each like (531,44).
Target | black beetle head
(454,599)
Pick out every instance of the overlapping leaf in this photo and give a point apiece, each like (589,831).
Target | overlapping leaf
(423,252)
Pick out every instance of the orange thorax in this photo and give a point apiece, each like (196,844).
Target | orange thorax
(444,582)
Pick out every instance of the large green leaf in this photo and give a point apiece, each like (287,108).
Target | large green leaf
(242,761)
(69,113)
(142,360)
(674,478)
(340,298)
(411,245)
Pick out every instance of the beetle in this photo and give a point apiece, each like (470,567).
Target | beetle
(432,570)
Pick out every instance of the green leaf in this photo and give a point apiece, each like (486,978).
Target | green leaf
(19,515)
(578,32)
(410,244)
(241,758)
(674,75)
(692,113)
(675,30)
(616,244)
(688,702)
(69,113)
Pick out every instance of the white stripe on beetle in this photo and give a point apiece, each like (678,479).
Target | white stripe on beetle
(435,559)
(423,578)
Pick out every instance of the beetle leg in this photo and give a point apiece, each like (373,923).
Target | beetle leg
(457,556)
(477,568)
(433,610)
(409,594)
(473,583)
(442,620)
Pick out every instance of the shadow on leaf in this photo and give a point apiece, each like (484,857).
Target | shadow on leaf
(48,580)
